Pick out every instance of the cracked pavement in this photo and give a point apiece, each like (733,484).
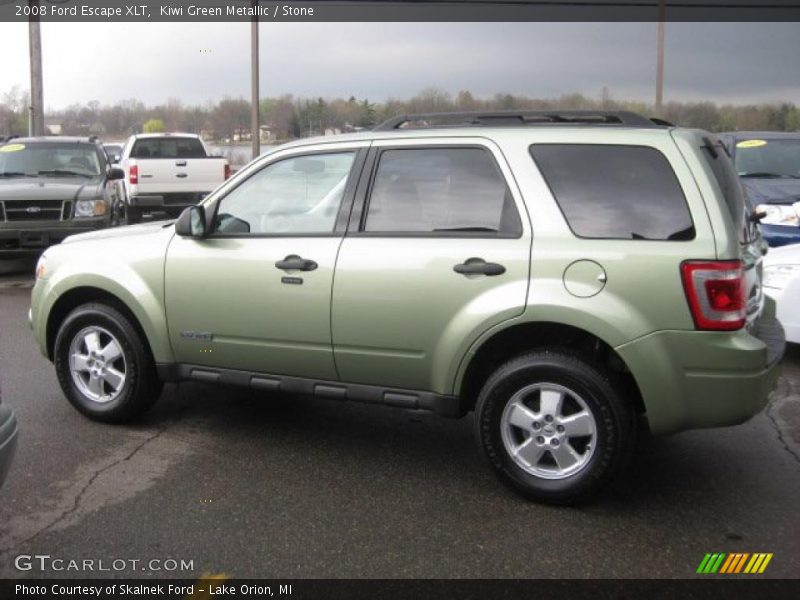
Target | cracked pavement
(297,487)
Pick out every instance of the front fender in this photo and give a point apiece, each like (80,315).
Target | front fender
(132,272)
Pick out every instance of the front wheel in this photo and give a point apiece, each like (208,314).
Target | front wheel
(553,426)
(103,365)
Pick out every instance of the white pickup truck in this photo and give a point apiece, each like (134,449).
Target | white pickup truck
(166,172)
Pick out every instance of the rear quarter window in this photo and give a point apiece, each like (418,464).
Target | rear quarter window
(615,191)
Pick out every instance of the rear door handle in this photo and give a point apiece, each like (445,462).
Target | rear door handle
(296,263)
(181,175)
(479,266)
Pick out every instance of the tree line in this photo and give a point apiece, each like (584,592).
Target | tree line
(289,117)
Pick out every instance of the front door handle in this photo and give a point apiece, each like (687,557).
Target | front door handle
(479,266)
(296,263)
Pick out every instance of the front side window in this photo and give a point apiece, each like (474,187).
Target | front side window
(615,192)
(299,195)
(441,190)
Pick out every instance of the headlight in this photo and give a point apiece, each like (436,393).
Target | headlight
(779,276)
(778,214)
(41,267)
(91,208)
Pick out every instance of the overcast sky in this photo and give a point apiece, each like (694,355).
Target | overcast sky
(152,62)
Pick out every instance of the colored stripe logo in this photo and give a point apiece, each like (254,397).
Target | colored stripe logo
(735,562)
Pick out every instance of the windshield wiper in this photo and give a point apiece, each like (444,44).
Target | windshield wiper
(15,174)
(768,175)
(63,172)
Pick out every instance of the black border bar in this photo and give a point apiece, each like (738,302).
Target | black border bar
(198,11)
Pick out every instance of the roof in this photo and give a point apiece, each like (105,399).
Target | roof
(771,135)
(143,136)
(52,138)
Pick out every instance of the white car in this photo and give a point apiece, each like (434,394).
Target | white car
(782,283)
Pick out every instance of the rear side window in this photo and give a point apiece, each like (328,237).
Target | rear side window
(615,192)
(171,147)
(444,191)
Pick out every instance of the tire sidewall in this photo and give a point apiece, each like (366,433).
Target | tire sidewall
(579,377)
(116,324)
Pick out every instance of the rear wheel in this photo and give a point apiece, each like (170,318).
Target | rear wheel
(553,426)
(103,365)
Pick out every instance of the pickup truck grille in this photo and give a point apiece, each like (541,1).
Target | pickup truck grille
(34,210)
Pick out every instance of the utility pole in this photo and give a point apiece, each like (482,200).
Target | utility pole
(255,129)
(36,110)
(660,59)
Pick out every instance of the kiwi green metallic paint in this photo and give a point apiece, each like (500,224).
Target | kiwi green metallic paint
(389,311)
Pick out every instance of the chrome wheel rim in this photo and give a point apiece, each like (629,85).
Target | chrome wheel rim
(549,431)
(97,364)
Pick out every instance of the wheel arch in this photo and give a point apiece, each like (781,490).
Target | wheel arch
(506,343)
(75,297)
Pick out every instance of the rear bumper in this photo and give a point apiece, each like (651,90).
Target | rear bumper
(715,379)
(33,239)
(171,203)
(8,440)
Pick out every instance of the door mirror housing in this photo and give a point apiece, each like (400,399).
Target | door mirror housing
(192,222)
(116,173)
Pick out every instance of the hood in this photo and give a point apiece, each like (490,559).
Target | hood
(48,188)
(120,232)
(771,191)
(785,255)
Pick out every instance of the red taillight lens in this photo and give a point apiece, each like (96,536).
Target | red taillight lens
(715,291)
(227,171)
(133,175)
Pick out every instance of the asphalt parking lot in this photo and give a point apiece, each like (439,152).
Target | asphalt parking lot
(256,486)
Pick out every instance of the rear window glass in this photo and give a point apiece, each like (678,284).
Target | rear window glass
(615,192)
(171,147)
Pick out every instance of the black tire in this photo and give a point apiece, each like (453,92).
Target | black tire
(141,387)
(613,424)
(132,215)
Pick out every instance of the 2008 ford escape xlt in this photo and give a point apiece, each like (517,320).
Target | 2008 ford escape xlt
(564,276)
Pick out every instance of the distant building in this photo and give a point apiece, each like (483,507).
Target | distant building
(52,126)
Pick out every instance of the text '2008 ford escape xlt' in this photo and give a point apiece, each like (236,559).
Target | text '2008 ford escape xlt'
(561,275)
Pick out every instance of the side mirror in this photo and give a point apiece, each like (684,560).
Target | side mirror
(116,173)
(192,222)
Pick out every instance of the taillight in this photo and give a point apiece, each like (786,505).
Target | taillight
(716,293)
(227,171)
(133,175)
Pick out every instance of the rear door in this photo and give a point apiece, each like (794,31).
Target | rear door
(437,252)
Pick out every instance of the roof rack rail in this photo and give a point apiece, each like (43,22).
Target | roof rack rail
(8,138)
(518,118)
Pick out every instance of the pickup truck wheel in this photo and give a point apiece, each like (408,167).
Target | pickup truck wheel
(104,367)
(553,427)
(132,216)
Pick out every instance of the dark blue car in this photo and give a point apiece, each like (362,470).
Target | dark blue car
(768,163)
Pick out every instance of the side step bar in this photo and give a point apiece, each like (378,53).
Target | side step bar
(446,406)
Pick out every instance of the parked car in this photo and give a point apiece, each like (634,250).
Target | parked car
(51,188)
(768,163)
(561,275)
(8,438)
(782,283)
(113,152)
(166,172)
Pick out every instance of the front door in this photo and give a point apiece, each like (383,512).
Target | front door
(255,294)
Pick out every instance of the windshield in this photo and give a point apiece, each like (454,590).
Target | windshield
(768,158)
(52,159)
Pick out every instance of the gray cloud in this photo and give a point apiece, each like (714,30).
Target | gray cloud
(723,62)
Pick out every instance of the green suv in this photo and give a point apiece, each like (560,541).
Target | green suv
(564,276)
